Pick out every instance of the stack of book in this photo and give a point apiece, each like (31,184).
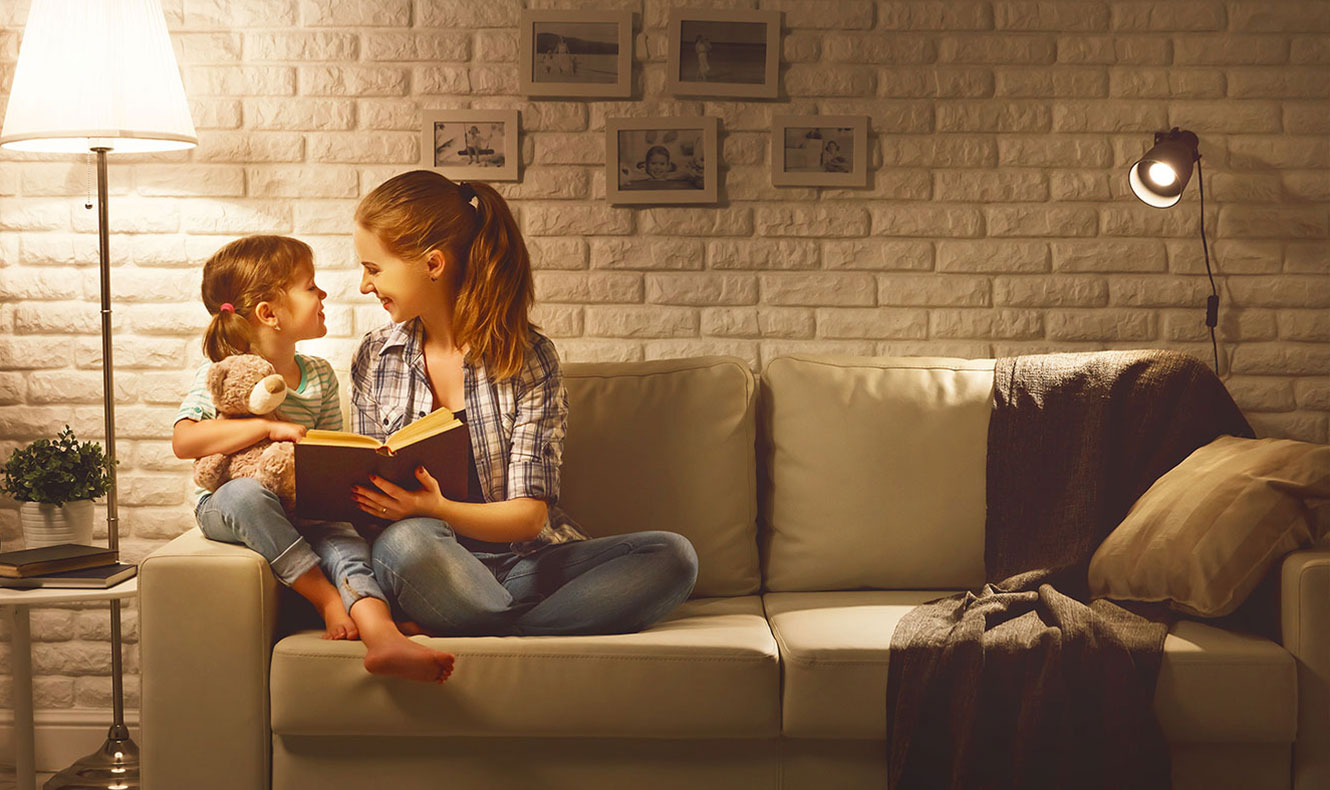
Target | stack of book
(63,565)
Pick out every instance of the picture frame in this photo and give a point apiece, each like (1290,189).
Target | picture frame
(471,144)
(819,150)
(724,53)
(576,53)
(662,160)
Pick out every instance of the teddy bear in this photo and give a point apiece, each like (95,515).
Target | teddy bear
(242,386)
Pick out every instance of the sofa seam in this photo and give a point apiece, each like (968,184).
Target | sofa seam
(459,654)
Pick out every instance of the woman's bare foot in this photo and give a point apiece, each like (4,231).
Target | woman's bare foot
(411,660)
(337,623)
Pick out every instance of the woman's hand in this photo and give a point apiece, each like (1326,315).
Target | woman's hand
(394,503)
(280,431)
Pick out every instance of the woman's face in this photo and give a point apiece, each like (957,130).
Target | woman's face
(402,287)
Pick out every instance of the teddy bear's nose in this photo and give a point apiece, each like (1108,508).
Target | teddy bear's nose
(274,384)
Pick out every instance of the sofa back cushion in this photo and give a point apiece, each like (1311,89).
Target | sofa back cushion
(668,445)
(874,472)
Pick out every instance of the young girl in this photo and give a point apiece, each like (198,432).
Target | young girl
(260,291)
(455,281)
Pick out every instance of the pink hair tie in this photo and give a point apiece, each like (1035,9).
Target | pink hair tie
(226,307)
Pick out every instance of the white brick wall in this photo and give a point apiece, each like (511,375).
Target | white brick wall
(997,220)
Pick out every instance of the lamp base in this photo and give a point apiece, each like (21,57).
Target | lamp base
(115,766)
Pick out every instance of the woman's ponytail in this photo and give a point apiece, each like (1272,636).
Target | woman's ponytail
(496,293)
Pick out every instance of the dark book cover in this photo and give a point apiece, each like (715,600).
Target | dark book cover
(50,559)
(85,578)
(325,473)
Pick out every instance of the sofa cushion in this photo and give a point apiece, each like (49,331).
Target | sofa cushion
(668,445)
(709,670)
(1214,685)
(877,472)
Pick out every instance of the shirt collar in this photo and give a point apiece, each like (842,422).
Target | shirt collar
(408,335)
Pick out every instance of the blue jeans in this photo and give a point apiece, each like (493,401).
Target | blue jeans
(242,511)
(613,585)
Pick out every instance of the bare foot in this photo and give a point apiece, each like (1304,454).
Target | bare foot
(404,658)
(337,622)
(409,628)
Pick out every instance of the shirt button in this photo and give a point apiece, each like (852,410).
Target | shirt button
(385,420)
(422,414)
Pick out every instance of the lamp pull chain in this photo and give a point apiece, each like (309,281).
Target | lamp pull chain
(1211,301)
(87,204)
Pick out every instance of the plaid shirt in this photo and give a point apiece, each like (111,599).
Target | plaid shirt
(517,425)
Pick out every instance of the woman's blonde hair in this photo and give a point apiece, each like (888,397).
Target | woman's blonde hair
(241,275)
(418,212)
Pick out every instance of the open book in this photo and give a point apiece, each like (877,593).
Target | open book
(329,463)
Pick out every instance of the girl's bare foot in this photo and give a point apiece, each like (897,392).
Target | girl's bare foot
(405,658)
(337,623)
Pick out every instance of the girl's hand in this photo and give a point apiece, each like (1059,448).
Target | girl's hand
(394,503)
(280,431)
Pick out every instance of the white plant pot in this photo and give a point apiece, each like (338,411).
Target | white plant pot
(47,525)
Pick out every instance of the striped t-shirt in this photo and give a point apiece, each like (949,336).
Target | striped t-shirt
(314,404)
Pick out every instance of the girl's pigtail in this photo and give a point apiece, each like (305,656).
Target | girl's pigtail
(496,293)
(227,334)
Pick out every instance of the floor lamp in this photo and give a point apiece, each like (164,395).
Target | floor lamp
(99,76)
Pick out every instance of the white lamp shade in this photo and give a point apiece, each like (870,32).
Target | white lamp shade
(97,73)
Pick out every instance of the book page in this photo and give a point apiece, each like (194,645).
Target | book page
(435,422)
(338,439)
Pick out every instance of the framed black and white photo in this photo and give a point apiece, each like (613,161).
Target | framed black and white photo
(819,150)
(661,160)
(467,144)
(723,53)
(576,53)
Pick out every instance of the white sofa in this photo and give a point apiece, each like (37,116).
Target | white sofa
(822,508)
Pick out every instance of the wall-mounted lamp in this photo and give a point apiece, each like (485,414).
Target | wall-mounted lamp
(1158,179)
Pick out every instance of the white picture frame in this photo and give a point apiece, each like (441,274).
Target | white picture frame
(724,53)
(819,150)
(447,138)
(576,53)
(662,160)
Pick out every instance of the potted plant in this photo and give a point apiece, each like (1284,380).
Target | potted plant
(56,482)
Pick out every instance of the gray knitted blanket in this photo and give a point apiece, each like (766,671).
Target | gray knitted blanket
(1023,684)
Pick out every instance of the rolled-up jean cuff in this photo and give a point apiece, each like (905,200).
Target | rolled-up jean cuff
(353,588)
(294,562)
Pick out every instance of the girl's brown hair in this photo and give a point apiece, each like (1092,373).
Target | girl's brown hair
(242,274)
(418,212)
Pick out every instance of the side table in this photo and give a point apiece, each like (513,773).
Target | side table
(16,603)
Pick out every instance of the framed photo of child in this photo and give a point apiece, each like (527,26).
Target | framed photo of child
(467,144)
(576,53)
(819,150)
(661,160)
(723,53)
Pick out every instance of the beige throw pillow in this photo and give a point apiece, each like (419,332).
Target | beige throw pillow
(1206,533)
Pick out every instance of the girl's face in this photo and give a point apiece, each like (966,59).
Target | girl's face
(402,287)
(301,310)
(658,166)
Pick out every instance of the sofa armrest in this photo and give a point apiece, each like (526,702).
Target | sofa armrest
(207,623)
(1305,611)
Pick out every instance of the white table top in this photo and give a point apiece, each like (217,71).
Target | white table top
(40,596)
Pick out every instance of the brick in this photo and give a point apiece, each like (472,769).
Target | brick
(71,658)
(1100,325)
(435,45)
(354,147)
(1140,220)
(817,288)
(1108,117)
(1282,359)
(1054,151)
(1230,50)
(55,249)
(697,222)
(897,183)
(75,387)
(764,254)
(949,221)
(803,79)
(214,113)
(1256,152)
(1055,291)
(575,350)
(851,323)
(1309,49)
(650,108)
(468,14)
(357,81)
(782,322)
(355,13)
(27,214)
(995,324)
(1262,393)
(189,180)
(646,253)
(1189,16)
(1265,17)
(804,14)
(982,186)
(1306,119)
(576,220)
(282,181)
(1313,258)
(557,148)
(300,114)
(1064,185)
(744,148)
(878,255)
(1051,83)
(795,47)
(233,14)
(588,287)
(992,116)
(322,216)
(13,388)
(302,47)
(41,284)
(701,289)
(1234,256)
(641,321)
(947,82)
(499,46)
(60,318)
(206,47)
(96,692)
(249,147)
(1005,50)
(544,116)
(1230,116)
(820,221)
(1297,426)
(933,290)
(934,16)
(1005,257)
(558,320)
(877,48)
(1030,220)
(1308,325)
(1158,291)
(500,80)
(939,151)
(1280,291)
(702,346)
(1026,16)
(250,216)
(1168,84)
(546,183)
(1312,393)
(556,253)
(1273,222)
(51,625)
(1109,255)
(771,349)
(239,80)
(1284,82)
